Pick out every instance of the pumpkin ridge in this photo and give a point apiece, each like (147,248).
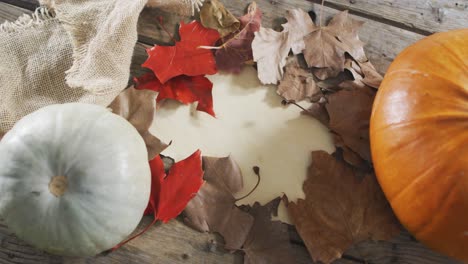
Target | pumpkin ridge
(408,70)
(422,228)
(450,51)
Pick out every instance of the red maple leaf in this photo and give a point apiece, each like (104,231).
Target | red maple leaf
(179,187)
(185,89)
(171,193)
(185,58)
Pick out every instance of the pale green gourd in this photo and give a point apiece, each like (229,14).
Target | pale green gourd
(74,179)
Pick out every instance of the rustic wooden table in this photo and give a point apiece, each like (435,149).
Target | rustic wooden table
(390,26)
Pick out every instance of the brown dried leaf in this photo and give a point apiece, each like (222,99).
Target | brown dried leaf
(214,15)
(298,83)
(372,78)
(349,112)
(364,74)
(351,157)
(325,47)
(323,73)
(138,106)
(339,210)
(213,209)
(319,112)
(237,49)
(270,48)
(268,241)
(299,25)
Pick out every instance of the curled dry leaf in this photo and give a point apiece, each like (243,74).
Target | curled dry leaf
(270,48)
(268,241)
(138,108)
(215,16)
(185,58)
(237,48)
(371,78)
(213,209)
(349,112)
(298,83)
(348,211)
(325,47)
(364,74)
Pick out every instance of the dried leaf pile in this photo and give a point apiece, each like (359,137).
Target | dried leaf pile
(325,65)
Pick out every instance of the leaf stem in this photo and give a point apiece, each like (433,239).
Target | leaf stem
(256,170)
(210,47)
(161,24)
(321,12)
(285,102)
(137,235)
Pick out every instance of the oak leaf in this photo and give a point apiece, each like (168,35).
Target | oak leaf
(185,89)
(237,48)
(138,106)
(339,210)
(270,48)
(213,209)
(325,47)
(186,57)
(298,83)
(268,241)
(214,15)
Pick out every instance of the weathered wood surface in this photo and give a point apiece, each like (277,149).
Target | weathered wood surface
(383,41)
(420,16)
(176,243)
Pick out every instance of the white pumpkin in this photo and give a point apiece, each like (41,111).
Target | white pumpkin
(74,179)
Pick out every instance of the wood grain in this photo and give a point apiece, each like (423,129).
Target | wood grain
(403,249)
(10,12)
(176,243)
(420,16)
(26,4)
(383,41)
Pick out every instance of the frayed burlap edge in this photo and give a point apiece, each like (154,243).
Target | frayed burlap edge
(26,21)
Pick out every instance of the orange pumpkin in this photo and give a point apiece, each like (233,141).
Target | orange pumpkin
(419,140)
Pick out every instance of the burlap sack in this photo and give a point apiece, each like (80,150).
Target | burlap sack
(70,51)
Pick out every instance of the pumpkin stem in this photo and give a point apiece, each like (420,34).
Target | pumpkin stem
(58,185)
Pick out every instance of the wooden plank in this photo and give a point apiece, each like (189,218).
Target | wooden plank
(420,16)
(402,250)
(173,242)
(10,12)
(164,243)
(26,4)
(384,41)
(176,243)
